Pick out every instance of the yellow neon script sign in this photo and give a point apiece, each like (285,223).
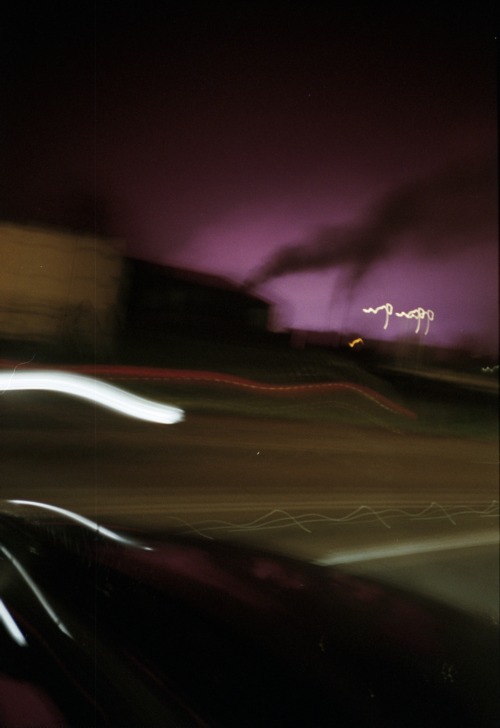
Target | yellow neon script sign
(420,314)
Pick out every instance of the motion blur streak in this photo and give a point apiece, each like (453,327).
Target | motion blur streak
(83,521)
(36,591)
(189,375)
(101,393)
(11,626)
(353,343)
(412,547)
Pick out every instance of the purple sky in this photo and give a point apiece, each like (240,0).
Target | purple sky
(334,160)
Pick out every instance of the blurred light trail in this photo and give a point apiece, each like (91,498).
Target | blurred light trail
(36,591)
(11,626)
(106,532)
(490,370)
(411,547)
(387,307)
(353,343)
(420,314)
(101,393)
(118,371)
(417,313)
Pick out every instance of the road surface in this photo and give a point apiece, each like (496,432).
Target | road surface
(325,491)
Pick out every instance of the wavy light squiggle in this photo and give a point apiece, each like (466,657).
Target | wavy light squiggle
(281,519)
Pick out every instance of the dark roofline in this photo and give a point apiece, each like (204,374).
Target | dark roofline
(188,275)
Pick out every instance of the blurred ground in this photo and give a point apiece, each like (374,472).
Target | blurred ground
(327,475)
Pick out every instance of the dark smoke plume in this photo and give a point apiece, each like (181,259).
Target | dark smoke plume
(437,216)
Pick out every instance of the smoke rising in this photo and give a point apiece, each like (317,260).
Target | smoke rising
(434,216)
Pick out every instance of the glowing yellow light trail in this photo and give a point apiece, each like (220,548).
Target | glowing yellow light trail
(353,343)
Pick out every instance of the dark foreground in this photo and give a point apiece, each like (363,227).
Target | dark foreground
(105,629)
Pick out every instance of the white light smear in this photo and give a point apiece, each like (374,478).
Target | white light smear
(93,390)
(410,548)
(11,626)
(36,591)
(106,532)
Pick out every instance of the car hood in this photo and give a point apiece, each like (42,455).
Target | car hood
(109,628)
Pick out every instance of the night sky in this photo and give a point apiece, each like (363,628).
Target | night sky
(330,160)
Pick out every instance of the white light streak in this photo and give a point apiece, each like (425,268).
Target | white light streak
(36,591)
(103,394)
(410,548)
(92,525)
(11,626)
